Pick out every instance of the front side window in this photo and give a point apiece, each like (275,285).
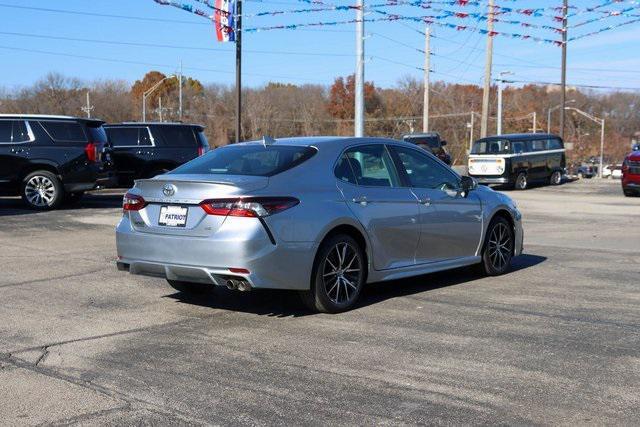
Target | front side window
(424,172)
(251,159)
(65,131)
(369,166)
(519,147)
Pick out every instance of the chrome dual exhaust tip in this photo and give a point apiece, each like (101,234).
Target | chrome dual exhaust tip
(238,285)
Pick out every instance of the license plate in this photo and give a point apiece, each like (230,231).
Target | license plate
(173,216)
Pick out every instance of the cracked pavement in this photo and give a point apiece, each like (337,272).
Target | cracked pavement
(556,341)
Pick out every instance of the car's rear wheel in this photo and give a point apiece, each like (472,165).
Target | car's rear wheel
(521,181)
(629,193)
(339,274)
(555,178)
(190,287)
(42,190)
(498,247)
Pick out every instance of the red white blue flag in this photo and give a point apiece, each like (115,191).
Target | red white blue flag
(224,20)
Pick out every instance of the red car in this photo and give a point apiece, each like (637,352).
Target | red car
(631,174)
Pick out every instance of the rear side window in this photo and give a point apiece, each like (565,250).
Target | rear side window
(538,145)
(13,131)
(369,165)
(129,136)
(5,131)
(178,136)
(554,144)
(253,160)
(65,131)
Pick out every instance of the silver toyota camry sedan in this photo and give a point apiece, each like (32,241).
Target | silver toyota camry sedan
(322,215)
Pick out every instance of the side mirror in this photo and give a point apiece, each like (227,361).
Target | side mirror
(467,184)
(443,143)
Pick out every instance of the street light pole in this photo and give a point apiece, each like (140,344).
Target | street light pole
(149,92)
(552,109)
(501,83)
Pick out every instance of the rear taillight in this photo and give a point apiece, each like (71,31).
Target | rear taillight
(133,202)
(254,207)
(91,150)
(201,150)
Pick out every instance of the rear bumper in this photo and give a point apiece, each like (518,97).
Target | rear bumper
(285,265)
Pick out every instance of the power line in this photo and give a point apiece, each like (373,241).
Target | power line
(167,46)
(102,15)
(148,64)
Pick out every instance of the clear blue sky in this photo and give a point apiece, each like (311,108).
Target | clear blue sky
(611,58)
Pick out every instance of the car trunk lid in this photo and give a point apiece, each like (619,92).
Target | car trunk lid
(173,202)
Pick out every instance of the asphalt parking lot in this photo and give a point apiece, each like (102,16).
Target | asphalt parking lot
(556,341)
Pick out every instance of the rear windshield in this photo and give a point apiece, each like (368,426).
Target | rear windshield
(492,147)
(430,141)
(253,160)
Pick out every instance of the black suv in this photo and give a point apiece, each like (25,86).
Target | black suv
(431,142)
(51,159)
(144,150)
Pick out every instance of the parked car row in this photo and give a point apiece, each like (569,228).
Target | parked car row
(50,160)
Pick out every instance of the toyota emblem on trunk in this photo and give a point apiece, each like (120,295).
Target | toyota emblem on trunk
(169,190)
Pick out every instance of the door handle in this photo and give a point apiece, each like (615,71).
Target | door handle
(17,150)
(426,201)
(362,200)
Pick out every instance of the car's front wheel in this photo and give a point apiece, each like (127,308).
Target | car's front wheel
(42,190)
(521,181)
(190,287)
(498,247)
(339,274)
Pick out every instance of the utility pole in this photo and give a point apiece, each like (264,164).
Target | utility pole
(427,71)
(535,120)
(499,124)
(180,93)
(501,83)
(89,107)
(471,132)
(484,123)
(563,78)
(359,78)
(238,34)
(160,108)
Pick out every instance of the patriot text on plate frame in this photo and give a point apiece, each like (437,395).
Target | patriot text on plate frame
(173,216)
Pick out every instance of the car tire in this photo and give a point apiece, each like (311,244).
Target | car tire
(339,274)
(555,178)
(497,251)
(192,288)
(521,182)
(629,193)
(42,190)
(72,198)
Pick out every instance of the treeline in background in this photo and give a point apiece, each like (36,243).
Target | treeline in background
(281,110)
